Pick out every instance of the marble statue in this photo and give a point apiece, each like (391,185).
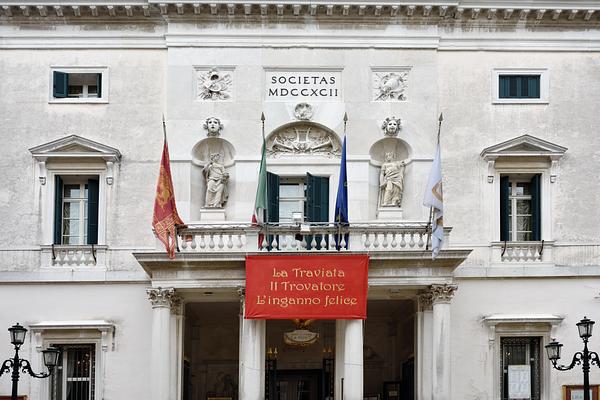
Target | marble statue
(391,126)
(213,126)
(391,181)
(216,182)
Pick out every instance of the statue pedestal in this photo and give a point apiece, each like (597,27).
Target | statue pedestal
(389,213)
(212,214)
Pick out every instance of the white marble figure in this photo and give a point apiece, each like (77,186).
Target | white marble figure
(216,182)
(213,126)
(391,126)
(391,181)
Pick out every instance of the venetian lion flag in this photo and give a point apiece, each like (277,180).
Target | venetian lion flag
(165,216)
(434,198)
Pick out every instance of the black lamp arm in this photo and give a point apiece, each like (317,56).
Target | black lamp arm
(6,366)
(594,359)
(577,359)
(26,368)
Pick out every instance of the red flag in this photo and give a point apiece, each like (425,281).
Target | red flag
(165,211)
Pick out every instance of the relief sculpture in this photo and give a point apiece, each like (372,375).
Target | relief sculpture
(303,139)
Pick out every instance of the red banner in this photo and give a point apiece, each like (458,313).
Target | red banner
(306,287)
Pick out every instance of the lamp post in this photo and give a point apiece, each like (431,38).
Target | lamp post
(585,357)
(17,338)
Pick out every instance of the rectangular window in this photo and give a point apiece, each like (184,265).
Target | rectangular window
(292,198)
(74,376)
(76,210)
(78,85)
(520,368)
(519,86)
(520,208)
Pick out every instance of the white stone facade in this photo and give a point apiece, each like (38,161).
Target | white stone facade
(411,61)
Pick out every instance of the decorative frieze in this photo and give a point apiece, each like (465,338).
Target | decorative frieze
(389,85)
(442,293)
(214,84)
(161,297)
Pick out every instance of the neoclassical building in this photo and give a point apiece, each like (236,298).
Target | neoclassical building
(85,85)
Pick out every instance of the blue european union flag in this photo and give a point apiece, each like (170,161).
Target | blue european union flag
(341,201)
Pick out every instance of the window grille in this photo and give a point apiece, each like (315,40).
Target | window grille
(74,375)
(520,351)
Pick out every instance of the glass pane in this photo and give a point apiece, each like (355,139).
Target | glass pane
(72,191)
(523,188)
(71,210)
(75,90)
(92,90)
(286,208)
(291,190)
(523,207)
(523,224)
(524,236)
(73,227)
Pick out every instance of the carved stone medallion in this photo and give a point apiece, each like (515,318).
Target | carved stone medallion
(303,111)
(303,138)
(214,84)
(213,126)
(391,126)
(390,85)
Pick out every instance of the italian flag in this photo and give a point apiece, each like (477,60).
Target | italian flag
(260,204)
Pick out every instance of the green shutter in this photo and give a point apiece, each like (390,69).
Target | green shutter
(536,233)
(272,197)
(533,83)
(504,86)
(504,208)
(58,197)
(99,85)
(317,202)
(60,84)
(92,217)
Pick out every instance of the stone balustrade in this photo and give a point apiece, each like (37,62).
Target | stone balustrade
(522,252)
(75,256)
(321,237)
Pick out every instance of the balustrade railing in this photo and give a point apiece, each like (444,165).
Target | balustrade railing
(520,252)
(75,256)
(321,237)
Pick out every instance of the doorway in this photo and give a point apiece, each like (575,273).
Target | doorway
(299,384)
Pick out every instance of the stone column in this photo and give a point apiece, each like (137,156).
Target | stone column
(252,356)
(353,360)
(424,347)
(441,366)
(340,329)
(161,299)
(176,347)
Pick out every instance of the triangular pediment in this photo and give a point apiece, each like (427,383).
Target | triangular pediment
(524,146)
(75,146)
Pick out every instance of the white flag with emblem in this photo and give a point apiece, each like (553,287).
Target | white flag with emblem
(434,198)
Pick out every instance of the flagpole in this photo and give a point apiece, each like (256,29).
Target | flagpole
(164,127)
(429,227)
(339,216)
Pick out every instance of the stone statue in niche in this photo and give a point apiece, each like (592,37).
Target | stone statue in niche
(390,85)
(214,85)
(216,182)
(391,181)
(213,127)
(391,126)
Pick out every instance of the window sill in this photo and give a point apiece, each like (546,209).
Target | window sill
(84,100)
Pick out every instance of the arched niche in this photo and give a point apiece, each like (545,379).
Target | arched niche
(200,157)
(399,147)
(303,139)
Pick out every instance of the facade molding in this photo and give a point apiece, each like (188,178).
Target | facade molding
(75,146)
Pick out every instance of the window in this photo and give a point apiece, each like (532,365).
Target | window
(520,367)
(308,194)
(76,209)
(292,198)
(78,85)
(520,86)
(520,213)
(74,377)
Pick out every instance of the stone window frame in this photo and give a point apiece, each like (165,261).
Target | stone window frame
(71,69)
(517,325)
(100,333)
(544,85)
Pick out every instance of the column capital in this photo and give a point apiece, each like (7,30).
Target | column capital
(425,301)
(442,293)
(161,297)
(176,305)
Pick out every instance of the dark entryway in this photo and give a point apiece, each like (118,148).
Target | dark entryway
(299,385)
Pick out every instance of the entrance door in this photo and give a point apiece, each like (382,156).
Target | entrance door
(299,385)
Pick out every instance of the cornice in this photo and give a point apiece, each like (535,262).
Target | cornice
(555,11)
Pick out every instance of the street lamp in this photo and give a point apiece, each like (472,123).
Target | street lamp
(17,338)
(586,358)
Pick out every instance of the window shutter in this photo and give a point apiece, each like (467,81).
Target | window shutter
(317,198)
(92,217)
(504,87)
(99,85)
(504,207)
(58,197)
(534,86)
(272,197)
(60,84)
(536,233)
